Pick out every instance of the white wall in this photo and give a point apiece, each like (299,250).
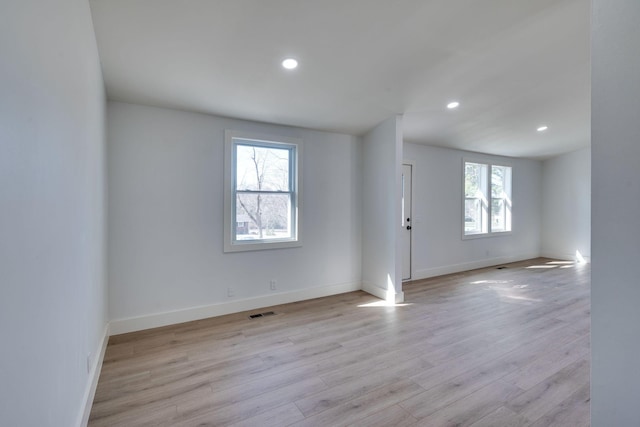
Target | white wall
(438,247)
(615,284)
(165,170)
(381,198)
(566,207)
(52,287)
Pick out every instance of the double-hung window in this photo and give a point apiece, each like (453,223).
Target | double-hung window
(487,199)
(262,192)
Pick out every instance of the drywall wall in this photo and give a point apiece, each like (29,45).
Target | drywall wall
(166,260)
(438,247)
(381,201)
(615,185)
(52,287)
(566,206)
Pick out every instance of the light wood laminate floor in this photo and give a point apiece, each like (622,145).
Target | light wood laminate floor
(490,347)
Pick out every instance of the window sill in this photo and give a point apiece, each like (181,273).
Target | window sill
(484,235)
(260,246)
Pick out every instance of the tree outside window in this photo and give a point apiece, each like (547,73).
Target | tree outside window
(263,196)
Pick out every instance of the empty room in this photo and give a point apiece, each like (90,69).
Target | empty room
(303,213)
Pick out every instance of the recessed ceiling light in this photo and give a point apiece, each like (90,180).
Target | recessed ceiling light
(289,63)
(452,105)
(543,128)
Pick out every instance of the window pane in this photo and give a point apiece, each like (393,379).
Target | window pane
(500,198)
(472,216)
(472,179)
(498,215)
(498,180)
(262,168)
(475,198)
(263,217)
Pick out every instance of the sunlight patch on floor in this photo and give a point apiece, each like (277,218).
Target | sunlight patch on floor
(383,303)
(521,298)
(492,282)
(561,264)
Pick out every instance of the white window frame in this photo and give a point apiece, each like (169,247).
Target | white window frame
(487,196)
(234,138)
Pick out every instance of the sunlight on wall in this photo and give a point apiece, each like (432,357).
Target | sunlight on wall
(391,290)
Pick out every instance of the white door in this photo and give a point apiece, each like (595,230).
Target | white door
(406,222)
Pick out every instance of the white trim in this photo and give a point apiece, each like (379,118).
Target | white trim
(374,290)
(486,235)
(139,323)
(382,293)
(412,240)
(92,384)
(229,245)
(565,256)
(457,268)
(489,164)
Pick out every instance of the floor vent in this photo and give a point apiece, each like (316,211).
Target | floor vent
(265,314)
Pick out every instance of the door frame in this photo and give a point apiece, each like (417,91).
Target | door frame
(411,215)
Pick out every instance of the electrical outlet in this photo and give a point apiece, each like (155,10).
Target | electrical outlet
(272,284)
(230,293)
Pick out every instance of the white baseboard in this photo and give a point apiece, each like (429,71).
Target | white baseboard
(92,384)
(383,294)
(566,256)
(457,268)
(132,324)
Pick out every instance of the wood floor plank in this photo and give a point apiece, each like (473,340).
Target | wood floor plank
(363,406)
(345,389)
(549,363)
(501,417)
(474,407)
(444,394)
(210,410)
(169,395)
(572,412)
(392,416)
(277,417)
(488,347)
(157,416)
(545,397)
(396,363)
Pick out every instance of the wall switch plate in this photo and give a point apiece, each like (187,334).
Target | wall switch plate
(230,293)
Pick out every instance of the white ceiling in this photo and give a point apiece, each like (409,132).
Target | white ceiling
(512,64)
